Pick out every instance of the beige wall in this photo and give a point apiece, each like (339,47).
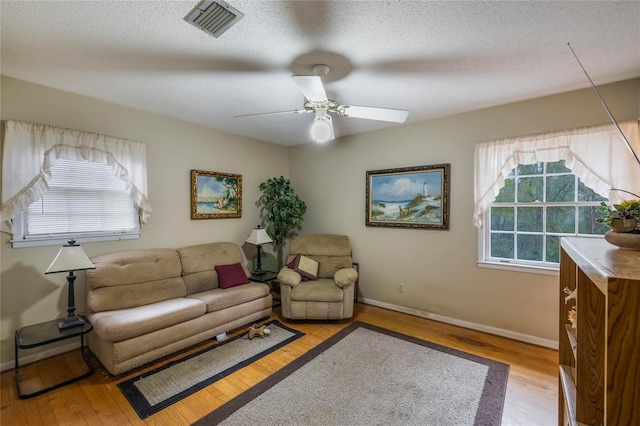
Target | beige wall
(438,267)
(173,148)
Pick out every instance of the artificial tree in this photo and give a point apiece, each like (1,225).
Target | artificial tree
(282,212)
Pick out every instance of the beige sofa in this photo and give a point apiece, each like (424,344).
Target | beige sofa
(146,304)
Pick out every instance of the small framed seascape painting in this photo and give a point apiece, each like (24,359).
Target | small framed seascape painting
(215,195)
(409,197)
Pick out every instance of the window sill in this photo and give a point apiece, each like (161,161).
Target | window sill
(58,241)
(518,268)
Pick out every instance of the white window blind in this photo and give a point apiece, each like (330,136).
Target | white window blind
(87,198)
(83,198)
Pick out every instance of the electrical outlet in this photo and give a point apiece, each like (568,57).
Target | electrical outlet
(400,287)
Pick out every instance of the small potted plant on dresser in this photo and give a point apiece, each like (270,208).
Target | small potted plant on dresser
(624,221)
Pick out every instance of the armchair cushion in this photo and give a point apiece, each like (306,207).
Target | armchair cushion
(289,277)
(345,277)
(323,290)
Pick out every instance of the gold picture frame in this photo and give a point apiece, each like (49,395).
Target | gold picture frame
(409,197)
(215,195)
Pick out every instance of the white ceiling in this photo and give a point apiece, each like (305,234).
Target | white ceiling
(429,57)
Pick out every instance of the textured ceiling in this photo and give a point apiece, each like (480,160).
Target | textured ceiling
(431,58)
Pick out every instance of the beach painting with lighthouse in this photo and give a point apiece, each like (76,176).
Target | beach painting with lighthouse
(411,197)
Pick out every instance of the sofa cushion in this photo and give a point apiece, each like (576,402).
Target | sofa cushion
(132,295)
(218,299)
(135,266)
(134,278)
(231,275)
(199,262)
(122,324)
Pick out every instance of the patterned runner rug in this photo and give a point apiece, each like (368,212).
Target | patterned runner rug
(157,389)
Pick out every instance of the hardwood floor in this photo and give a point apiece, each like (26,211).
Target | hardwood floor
(531,391)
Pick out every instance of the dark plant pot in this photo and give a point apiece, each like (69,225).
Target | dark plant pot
(624,240)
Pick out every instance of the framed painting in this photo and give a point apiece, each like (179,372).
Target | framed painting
(410,197)
(215,195)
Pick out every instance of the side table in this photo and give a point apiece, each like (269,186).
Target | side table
(268,277)
(263,278)
(46,333)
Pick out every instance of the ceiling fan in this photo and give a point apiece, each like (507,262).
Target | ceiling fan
(318,103)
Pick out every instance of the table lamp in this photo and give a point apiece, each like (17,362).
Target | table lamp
(258,237)
(70,258)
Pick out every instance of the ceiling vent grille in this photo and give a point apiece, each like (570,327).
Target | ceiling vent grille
(213,17)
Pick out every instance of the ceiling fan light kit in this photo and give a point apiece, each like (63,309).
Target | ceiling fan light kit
(317,102)
(322,128)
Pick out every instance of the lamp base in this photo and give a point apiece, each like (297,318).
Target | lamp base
(70,321)
(259,272)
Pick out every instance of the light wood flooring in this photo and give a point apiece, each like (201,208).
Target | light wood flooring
(531,391)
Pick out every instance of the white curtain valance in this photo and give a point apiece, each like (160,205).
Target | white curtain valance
(597,155)
(30,150)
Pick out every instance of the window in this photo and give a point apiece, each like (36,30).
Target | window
(85,201)
(529,191)
(539,204)
(62,183)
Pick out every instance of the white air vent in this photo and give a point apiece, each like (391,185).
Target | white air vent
(213,17)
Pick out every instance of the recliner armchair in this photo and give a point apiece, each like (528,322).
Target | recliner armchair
(331,295)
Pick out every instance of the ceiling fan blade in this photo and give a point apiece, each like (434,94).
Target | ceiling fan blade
(311,87)
(296,111)
(373,113)
(333,134)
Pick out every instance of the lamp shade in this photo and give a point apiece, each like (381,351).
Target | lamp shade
(70,258)
(258,236)
(322,128)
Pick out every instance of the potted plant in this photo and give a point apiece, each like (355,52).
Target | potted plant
(282,212)
(623,217)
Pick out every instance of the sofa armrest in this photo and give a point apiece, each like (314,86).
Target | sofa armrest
(289,277)
(345,276)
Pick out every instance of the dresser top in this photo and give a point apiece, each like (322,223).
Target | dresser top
(602,261)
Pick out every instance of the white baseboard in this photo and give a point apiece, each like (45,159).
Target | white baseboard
(24,360)
(547,343)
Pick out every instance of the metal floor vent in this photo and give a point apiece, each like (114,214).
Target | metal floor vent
(213,17)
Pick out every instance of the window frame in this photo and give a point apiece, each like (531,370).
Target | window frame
(485,260)
(21,238)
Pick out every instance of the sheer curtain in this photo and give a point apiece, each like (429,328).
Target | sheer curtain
(30,150)
(597,155)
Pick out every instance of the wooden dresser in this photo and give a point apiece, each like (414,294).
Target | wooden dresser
(599,379)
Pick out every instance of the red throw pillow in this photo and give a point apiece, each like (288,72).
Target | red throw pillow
(231,275)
